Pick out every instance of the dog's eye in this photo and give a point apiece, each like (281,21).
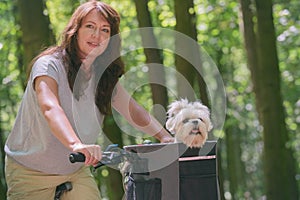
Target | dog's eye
(170,115)
(185,121)
(201,119)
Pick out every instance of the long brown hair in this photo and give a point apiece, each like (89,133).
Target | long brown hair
(109,72)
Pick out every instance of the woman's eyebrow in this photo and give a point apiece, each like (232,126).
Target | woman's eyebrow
(105,25)
(90,22)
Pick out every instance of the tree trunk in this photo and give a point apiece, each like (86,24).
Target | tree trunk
(36,33)
(114,134)
(279,165)
(186,24)
(236,168)
(154,60)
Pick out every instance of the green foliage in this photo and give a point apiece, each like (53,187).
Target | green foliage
(288,30)
(59,13)
(11,87)
(162,13)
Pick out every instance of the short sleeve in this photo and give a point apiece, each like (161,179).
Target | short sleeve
(46,66)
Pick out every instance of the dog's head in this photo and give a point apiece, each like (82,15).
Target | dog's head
(189,122)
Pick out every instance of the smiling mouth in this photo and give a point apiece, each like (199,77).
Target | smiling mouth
(94,44)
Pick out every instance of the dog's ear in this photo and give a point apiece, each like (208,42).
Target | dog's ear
(176,107)
(170,125)
(199,106)
(209,125)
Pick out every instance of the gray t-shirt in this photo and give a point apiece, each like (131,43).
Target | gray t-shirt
(31,142)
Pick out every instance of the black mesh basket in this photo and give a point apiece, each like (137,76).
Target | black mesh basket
(193,176)
(143,189)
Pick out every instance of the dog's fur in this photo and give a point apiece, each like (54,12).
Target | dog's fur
(189,122)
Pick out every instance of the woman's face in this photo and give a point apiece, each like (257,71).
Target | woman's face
(94,33)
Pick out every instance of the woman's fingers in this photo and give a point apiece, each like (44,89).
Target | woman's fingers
(93,153)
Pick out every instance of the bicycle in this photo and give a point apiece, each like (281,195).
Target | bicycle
(193,169)
(112,155)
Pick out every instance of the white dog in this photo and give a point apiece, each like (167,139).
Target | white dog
(189,122)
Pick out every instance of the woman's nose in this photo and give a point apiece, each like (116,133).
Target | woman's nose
(96,33)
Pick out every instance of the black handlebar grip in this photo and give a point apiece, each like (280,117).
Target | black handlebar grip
(77,157)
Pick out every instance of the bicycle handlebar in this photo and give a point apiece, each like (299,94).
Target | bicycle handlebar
(77,157)
(111,156)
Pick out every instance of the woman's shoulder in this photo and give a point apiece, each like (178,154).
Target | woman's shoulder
(54,58)
(54,61)
(49,65)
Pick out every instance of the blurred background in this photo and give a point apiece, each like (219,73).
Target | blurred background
(255,45)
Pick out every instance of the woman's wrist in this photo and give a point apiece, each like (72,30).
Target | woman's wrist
(164,137)
(75,145)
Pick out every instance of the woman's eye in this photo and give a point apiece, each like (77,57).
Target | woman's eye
(105,30)
(90,26)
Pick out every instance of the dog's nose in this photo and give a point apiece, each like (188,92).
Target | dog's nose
(195,122)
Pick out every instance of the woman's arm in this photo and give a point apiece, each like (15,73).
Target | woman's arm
(47,95)
(137,116)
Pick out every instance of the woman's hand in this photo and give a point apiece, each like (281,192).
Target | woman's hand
(92,153)
(167,139)
(164,137)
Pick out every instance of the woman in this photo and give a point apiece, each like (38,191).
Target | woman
(67,95)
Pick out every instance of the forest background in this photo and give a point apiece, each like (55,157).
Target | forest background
(255,45)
